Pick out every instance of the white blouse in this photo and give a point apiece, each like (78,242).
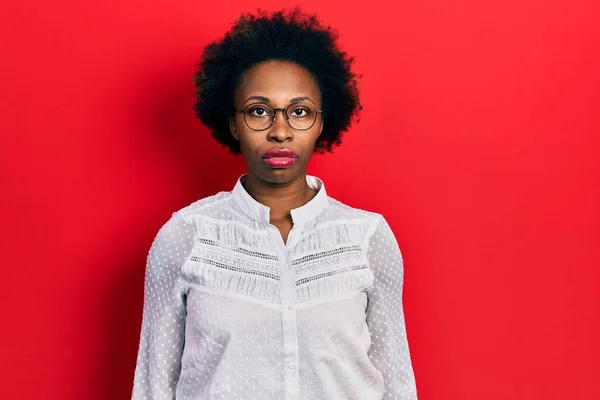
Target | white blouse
(231,312)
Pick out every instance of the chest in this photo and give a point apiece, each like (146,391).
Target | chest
(316,264)
(221,317)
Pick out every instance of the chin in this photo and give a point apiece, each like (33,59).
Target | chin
(281,175)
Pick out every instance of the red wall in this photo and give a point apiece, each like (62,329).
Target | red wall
(478,142)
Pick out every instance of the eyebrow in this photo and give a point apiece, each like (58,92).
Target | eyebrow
(267,100)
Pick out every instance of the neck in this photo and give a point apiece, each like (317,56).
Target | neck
(281,198)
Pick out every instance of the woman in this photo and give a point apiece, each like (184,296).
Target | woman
(275,290)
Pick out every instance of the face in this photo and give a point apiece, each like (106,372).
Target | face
(278,154)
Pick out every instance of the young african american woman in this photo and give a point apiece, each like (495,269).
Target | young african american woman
(274,290)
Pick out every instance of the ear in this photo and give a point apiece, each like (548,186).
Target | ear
(232,128)
(321,129)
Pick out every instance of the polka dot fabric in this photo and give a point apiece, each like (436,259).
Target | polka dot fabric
(233,312)
(385,316)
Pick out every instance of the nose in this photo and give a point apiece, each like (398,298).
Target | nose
(280,131)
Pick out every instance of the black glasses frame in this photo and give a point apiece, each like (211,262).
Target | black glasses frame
(285,114)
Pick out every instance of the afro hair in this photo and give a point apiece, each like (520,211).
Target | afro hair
(292,36)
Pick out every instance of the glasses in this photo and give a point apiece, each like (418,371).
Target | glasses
(298,116)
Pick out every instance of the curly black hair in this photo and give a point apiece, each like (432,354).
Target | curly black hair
(292,36)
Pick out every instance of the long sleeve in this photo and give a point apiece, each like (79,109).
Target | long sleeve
(163,321)
(389,350)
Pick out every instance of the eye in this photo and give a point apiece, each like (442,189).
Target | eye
(299,112)
(258,111)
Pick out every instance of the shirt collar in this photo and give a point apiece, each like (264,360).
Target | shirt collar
(262,213)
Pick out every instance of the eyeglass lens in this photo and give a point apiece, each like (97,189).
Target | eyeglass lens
(299,116)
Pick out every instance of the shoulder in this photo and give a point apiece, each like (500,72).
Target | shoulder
(175,238)
(207,206)
(180,227)
(338,210)
(345,213)
(378,226)
(370,227)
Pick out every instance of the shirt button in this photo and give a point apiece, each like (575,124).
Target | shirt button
(291,365)
(290,306)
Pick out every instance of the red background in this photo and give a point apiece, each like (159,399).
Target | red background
(488,112)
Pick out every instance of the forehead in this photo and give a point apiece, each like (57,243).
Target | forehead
(280,81)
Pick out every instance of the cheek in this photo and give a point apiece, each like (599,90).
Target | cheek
(250,143)
(312,138)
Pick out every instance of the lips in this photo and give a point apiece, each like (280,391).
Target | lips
(280,158)
(277,152)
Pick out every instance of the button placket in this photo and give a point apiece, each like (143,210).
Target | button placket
(288,318)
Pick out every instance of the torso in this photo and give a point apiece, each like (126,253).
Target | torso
(260,307)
